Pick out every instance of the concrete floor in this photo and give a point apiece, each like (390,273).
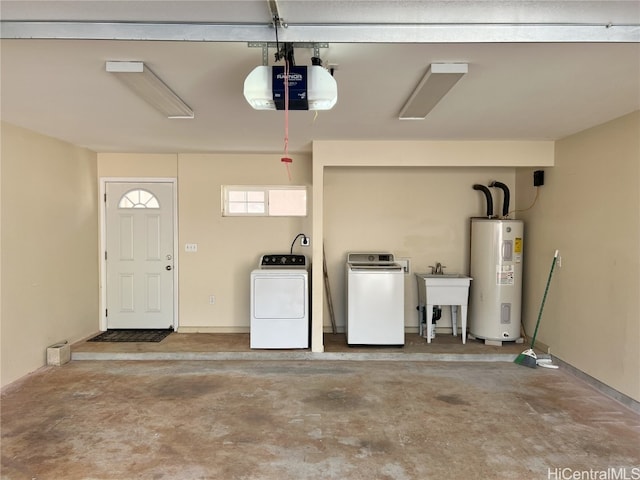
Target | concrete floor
(311,419)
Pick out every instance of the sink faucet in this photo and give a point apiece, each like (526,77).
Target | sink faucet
(438,269)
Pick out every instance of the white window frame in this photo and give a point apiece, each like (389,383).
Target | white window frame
(149,202)
(267,191)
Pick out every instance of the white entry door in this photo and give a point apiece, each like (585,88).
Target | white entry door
(139,255)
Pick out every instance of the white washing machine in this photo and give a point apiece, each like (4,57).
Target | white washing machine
(375,298)
(280,302)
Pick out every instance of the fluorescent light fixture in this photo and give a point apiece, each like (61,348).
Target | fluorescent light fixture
(148,86)
(439,79)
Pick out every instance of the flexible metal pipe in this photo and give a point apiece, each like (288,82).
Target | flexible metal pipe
(506,198)
(487,194)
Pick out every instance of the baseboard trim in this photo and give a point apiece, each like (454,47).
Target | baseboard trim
(603,388)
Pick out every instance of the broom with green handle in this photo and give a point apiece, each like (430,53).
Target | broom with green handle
(528,358)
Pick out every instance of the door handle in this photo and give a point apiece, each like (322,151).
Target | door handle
(168,267)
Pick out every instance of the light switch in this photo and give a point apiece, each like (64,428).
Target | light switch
(190,247)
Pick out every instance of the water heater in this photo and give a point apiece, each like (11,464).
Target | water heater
(495,295)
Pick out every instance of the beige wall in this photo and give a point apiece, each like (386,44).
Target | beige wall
(419,213)
(588,209)
(49,247)
(228,247)
(358,203)
(137,165)
(430,153)
(433,162)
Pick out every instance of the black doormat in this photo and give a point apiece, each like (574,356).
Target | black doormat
(132,335)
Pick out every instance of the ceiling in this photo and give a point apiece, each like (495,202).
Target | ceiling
(538,70)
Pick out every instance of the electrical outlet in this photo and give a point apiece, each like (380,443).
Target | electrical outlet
(406,264)
(559,261)
(212,299)
(191,247)
(305,241)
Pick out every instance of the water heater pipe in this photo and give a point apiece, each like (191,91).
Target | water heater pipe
(507,196)
(487,194)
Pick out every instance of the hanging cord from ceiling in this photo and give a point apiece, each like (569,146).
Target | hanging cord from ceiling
(317,61)
(286,159)
(286,54)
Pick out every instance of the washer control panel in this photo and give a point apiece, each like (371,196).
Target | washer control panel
(373,258)
(283,260)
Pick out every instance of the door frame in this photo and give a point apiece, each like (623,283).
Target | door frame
(103,241)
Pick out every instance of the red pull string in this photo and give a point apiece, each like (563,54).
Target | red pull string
(286,159)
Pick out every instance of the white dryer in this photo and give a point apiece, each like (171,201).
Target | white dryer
(280,302)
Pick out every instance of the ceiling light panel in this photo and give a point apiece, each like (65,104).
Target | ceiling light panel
(148,86)
(436,83)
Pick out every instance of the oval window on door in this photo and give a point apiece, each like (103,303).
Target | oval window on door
(138,198)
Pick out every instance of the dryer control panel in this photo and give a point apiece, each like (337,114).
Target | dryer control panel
(283,260)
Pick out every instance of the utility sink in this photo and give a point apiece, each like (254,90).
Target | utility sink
(446,279)
(444,289)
